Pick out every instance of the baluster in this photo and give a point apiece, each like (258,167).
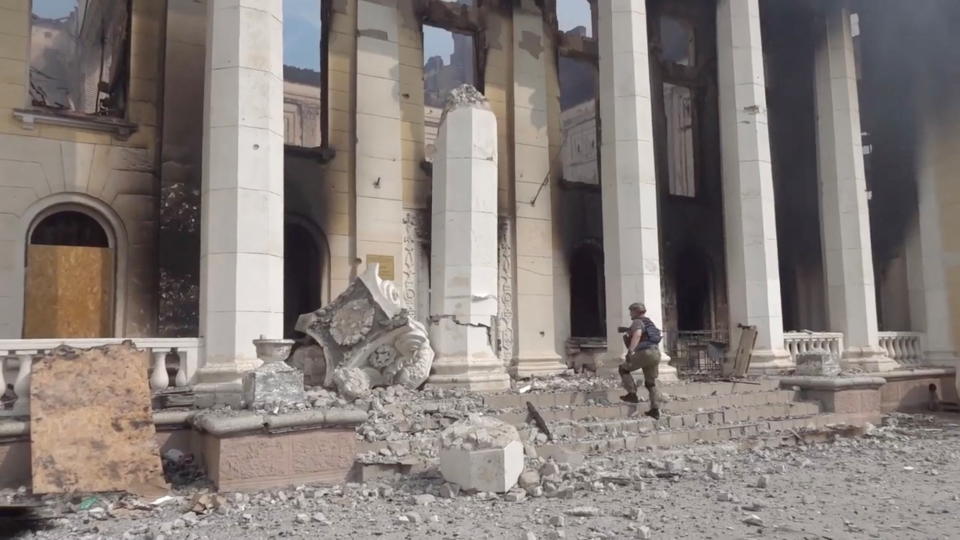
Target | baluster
(159,380)
(21,386)
(902,348)
(181,379)
(914,343)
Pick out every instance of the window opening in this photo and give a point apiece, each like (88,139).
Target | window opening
(681,162)
(448,62)
(69,228)
(79,55)
(575,17)
(578,120)
(303,77)
(676,41)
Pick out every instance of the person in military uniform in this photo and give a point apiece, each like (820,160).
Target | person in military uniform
(642,339)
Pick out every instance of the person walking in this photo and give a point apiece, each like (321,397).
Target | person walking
(642,339)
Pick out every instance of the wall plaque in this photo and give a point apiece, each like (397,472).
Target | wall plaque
(386,265)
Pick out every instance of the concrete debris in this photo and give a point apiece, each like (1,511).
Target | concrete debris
(715,470)
(482,453)
(584,511)
(594,496)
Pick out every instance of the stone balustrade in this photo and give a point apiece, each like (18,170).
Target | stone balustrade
(797,343)
(16,360)
(904,347)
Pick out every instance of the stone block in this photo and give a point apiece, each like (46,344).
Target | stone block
(275,382)
(482,454)
(817,362)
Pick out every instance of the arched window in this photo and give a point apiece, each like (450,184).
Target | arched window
(69,284)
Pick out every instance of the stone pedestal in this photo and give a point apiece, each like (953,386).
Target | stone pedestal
(274,382)
(463,304)
(844,209)
(241,249)
(753,270)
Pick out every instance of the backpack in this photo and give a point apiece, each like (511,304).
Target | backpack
(653,333)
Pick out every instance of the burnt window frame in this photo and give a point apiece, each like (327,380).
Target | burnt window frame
(688,76)
(325,152)
(582,49)
(124,76)
(460,19)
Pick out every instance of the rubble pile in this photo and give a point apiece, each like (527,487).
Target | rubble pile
(888,484)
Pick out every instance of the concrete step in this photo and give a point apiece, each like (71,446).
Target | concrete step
(618,409)
(677,391)
(636,422)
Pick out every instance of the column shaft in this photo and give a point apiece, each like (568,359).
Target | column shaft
(844,210)
(534,314)
(631,238)
(753,270)
(379,184)
(241,257)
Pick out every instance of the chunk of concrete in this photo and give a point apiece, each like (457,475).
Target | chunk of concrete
(481,454)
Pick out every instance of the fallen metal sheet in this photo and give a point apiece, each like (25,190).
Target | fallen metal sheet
(91,423)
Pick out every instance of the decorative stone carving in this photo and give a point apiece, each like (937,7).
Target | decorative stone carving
(416,235)
(505,289)
(368,339)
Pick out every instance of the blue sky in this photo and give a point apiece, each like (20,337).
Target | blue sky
(53,9)
(301,33)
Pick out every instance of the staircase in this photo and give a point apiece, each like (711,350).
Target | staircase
(597,421)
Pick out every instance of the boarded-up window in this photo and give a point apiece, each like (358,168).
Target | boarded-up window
(302,73)
(678,109)
(79,55)
(448,62)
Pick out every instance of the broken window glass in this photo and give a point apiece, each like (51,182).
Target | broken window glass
(79,55)
(678,109)
(448,62)
(578,120)
(302,75)
(575,17)
(676,41)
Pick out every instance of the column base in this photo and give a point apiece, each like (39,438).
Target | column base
(484,375)
(770,362)
(869,359)
(546,365)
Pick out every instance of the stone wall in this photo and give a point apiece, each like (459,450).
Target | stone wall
(52,164)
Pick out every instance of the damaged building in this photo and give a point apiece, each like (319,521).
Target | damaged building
(192,175)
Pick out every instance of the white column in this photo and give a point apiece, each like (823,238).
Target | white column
(241,255)
(844,209)
(379,181)
(631,239)
(937,153)
(463,258)
(536,353)
(753,269)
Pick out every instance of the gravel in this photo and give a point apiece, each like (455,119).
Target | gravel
(897,482)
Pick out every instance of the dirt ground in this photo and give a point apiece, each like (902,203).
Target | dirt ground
(901,481)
